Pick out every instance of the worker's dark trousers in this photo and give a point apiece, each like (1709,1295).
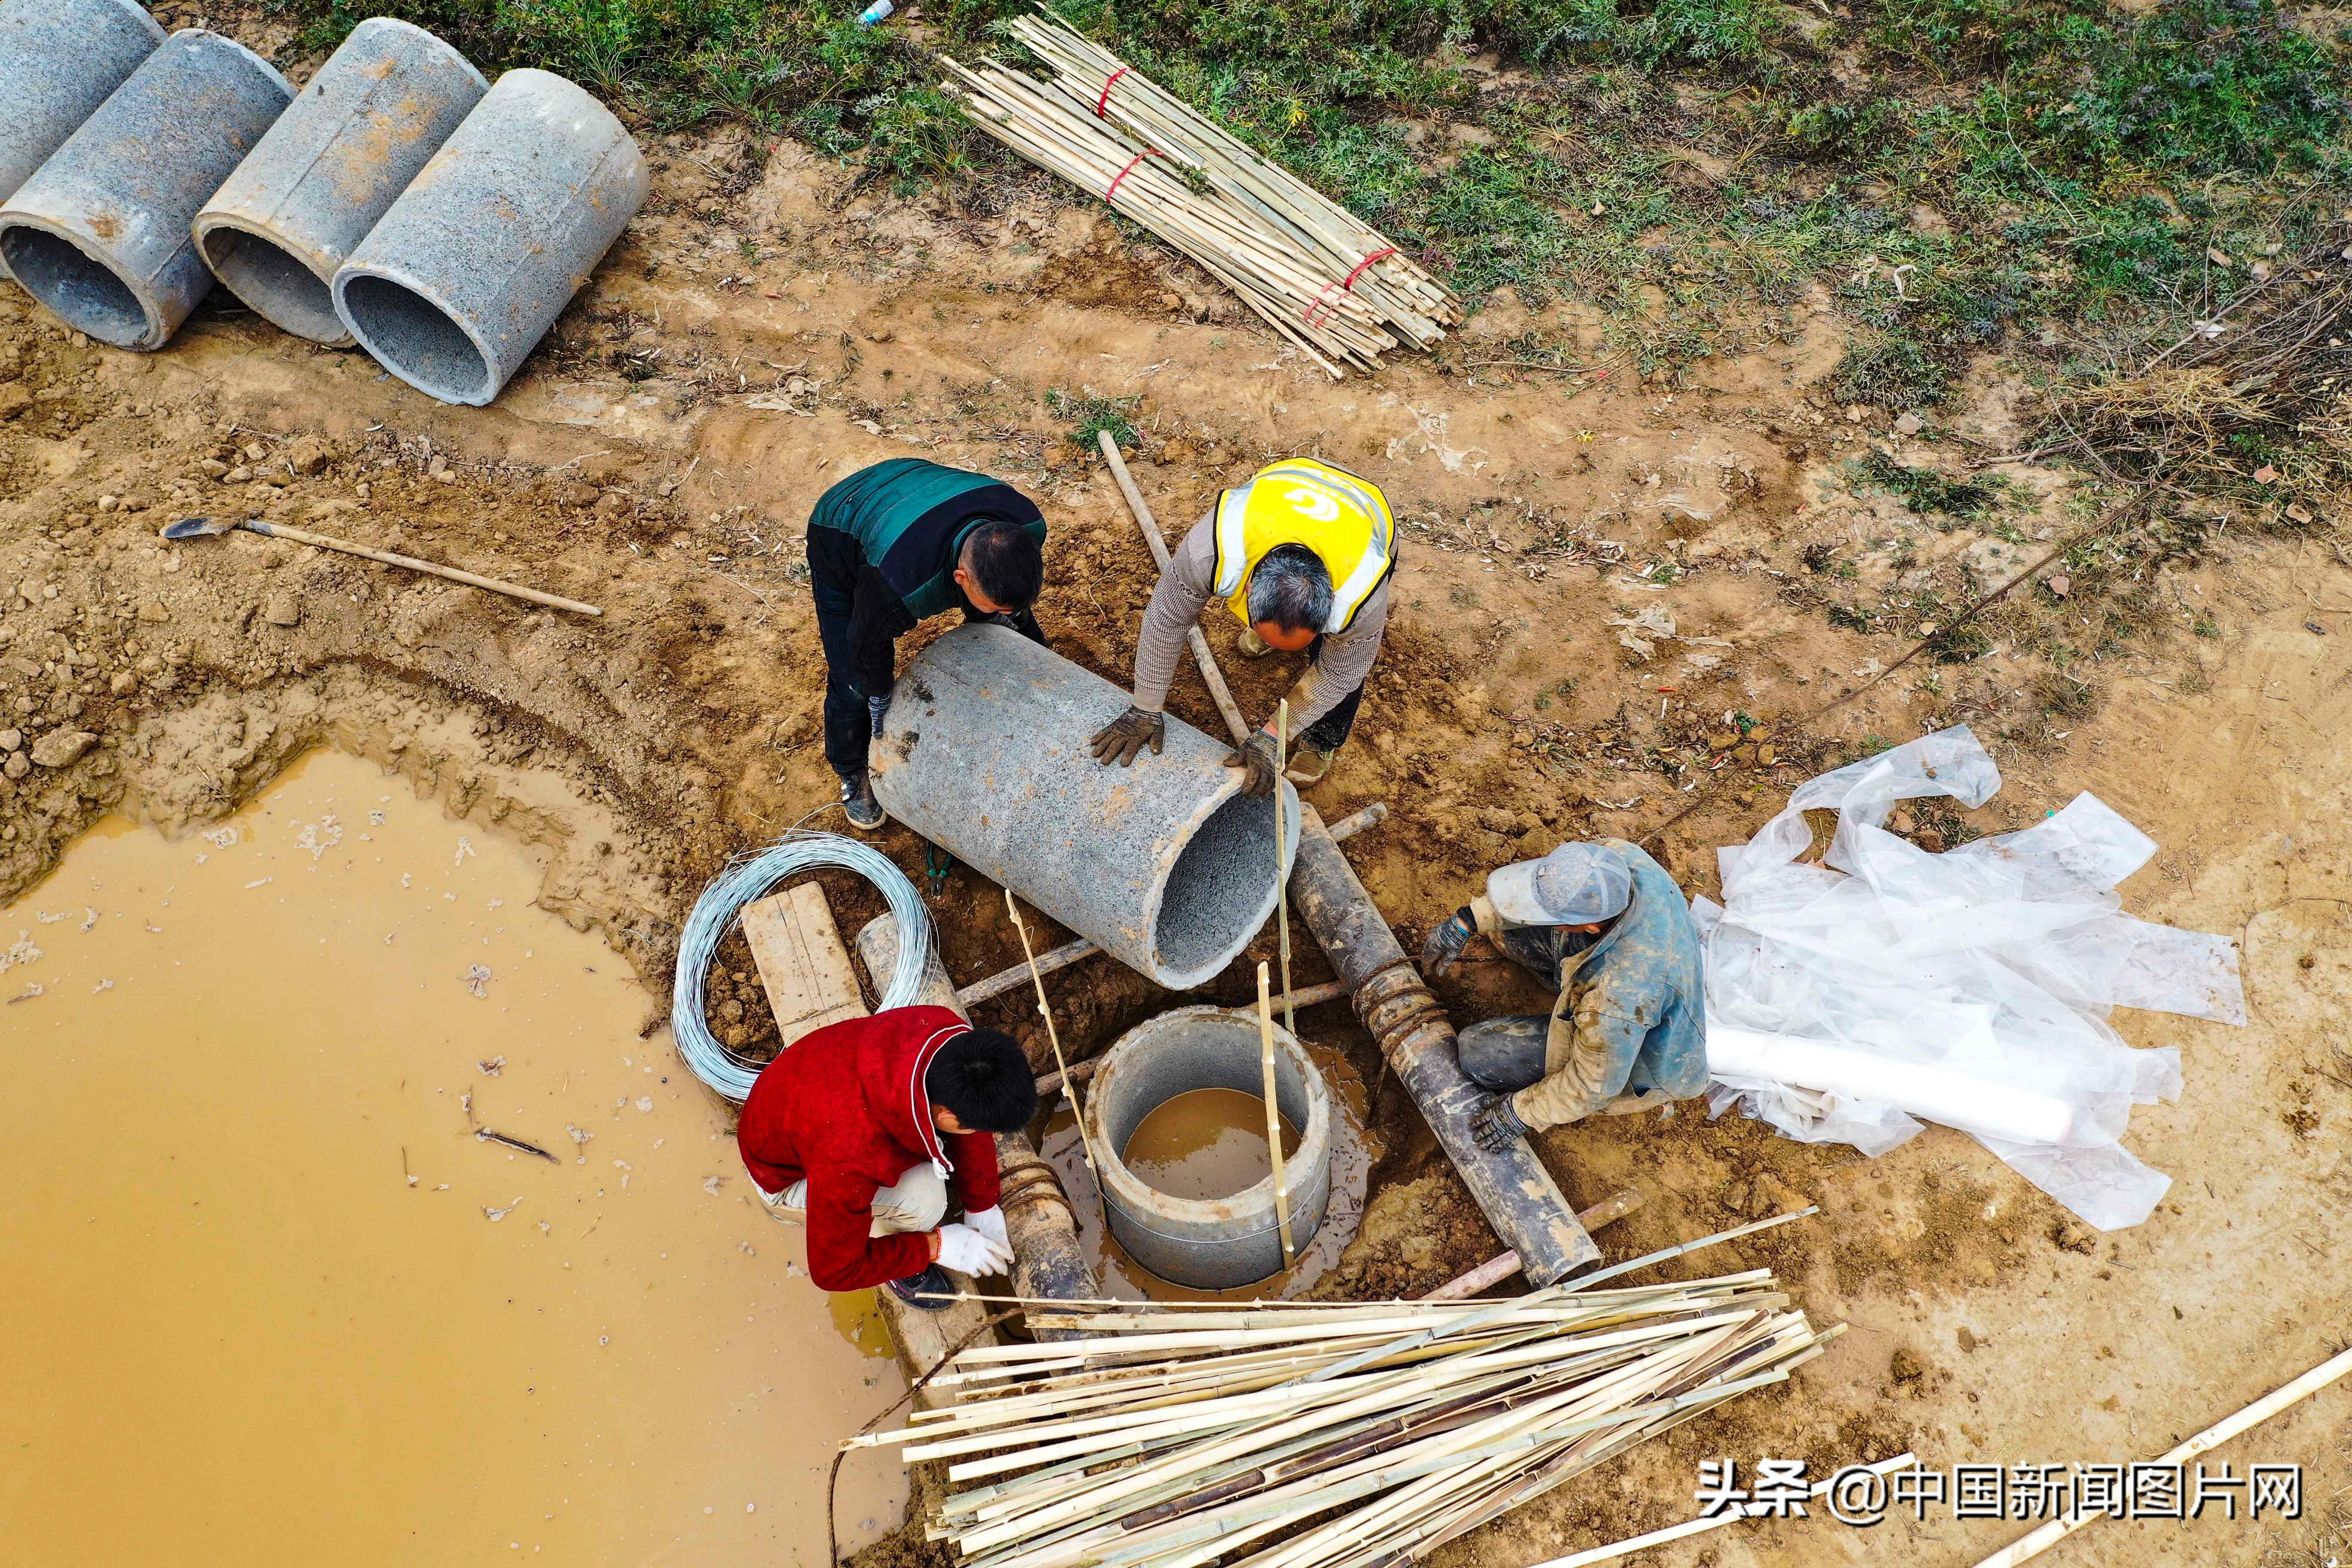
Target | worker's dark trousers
(1508,1054)
(1331,733)
(846,727)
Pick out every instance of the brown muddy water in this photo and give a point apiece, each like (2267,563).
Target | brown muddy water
(271,1301)
(1205,1143)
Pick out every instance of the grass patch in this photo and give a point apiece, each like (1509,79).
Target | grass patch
(1925,491)
(1088,416)
(1691,168)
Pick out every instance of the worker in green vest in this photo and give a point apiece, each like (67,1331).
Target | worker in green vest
(1302,555)
(894,544)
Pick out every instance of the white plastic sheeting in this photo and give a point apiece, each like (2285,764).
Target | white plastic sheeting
(1998,960)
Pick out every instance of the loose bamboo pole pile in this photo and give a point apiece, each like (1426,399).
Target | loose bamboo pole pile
(1316,274)
(1323,1435)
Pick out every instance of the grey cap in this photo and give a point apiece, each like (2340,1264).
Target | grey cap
(1576,884)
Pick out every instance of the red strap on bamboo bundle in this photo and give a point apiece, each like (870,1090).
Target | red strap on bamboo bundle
(1103,103)
(1348,282)
(1123,174)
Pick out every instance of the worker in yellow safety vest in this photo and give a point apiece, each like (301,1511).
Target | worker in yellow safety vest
(1302,555)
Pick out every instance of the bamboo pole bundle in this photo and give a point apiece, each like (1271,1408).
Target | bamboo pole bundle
(1318,275)
(1323,1435)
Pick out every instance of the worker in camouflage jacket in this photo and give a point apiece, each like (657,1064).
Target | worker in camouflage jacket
(1605,925)
(897,542)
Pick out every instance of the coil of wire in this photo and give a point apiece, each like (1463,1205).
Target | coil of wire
(749,877)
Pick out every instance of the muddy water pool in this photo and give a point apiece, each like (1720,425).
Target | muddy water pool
(1204,1144)
(270,1298)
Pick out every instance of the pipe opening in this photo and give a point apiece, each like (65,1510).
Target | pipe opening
(81,290)
(416,340)
(1221,888)
(269,278)
(1193,1050)
(1233,1239)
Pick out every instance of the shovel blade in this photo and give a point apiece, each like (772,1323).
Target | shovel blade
(197,527)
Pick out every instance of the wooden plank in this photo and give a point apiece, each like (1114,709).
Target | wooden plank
(801,962)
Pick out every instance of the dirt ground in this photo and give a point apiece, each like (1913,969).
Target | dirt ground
(755,336)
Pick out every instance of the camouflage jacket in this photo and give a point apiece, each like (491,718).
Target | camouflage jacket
(1631,1008)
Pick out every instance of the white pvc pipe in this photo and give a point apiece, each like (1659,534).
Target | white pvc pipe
(1932,1094)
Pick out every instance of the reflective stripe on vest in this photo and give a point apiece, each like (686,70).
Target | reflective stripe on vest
(1343,518)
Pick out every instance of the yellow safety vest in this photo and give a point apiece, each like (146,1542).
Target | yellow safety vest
(1344,520)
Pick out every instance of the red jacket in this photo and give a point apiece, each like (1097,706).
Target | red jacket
(845,1106)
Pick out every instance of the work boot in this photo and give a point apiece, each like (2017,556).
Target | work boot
(1251,645)
(1309,767)
(929,1291)
(857,803)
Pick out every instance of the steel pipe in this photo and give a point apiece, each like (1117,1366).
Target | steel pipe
(100,232)
(460,279)
(59,59)
(1511,1186)
(297,207)
(1166,864)
(1209,1244)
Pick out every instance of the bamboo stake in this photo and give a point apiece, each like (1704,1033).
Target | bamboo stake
(1701,1526)
(1282,864)
(1273,1107)
(1664,1254)
(1328,282)
(1333,1435)
(2213,1436)
(1077,1107)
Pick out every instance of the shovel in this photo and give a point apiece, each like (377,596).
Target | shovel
(206,527)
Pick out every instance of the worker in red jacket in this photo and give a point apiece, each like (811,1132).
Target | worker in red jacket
(866,1128)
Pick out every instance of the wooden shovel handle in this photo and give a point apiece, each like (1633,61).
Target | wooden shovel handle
(1211,675)
(303,536)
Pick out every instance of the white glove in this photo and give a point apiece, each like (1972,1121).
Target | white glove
(969,1251)
(990,1223)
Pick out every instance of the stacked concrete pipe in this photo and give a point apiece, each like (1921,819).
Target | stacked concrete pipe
(59,59)
(333,164)
(465,272)
(1166,864)
(99,234)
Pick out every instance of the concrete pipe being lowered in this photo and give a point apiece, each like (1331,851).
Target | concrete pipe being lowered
(99,234)
(1208,1244)
(1511,1186)
(462,276)
(59,59)
(333,164)
(1166,864)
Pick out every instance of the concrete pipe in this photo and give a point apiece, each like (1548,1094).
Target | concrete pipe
(59,59)
(1166,864)
(99,234)
(334,164)
(1218,1244)
(464,275)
